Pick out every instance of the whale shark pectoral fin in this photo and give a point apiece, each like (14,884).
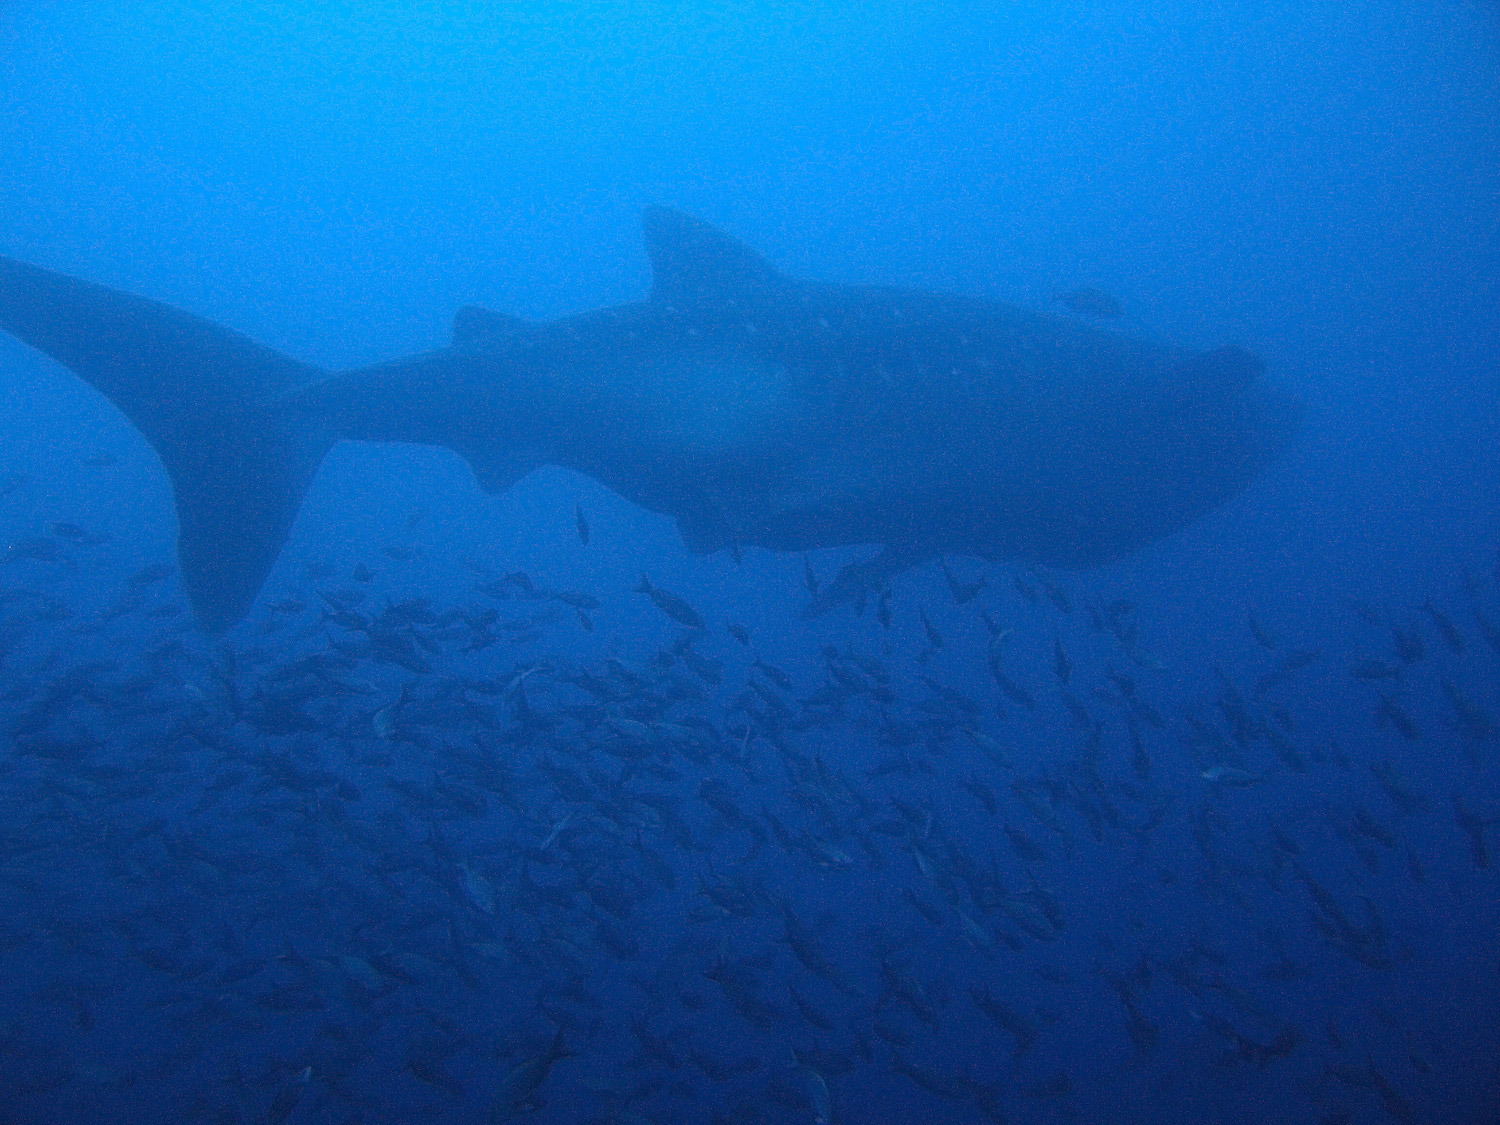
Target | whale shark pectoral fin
(212,403)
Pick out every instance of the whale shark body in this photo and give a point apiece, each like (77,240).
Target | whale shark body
(753,408)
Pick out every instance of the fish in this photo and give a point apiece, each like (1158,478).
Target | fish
(1390,713)
(1006,1018)
(753,408)
(518,1088)
(773,673)
(1474,826)
(582,523)
(934,638)
(1408,644)
(1233,776)
(1373,670)
(670,604)
(819,1099)
(809,577)
(1445,626)
(34,549)
(1262,638)
(962,592)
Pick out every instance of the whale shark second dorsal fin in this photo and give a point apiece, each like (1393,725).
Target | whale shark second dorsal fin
(692,261)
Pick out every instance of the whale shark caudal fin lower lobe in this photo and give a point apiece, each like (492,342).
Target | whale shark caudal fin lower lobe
(211,402)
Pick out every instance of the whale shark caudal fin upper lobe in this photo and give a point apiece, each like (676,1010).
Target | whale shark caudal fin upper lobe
(211,402)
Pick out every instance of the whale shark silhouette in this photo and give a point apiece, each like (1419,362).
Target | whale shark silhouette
(753,408)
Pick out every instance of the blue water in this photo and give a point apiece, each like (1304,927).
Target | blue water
(268,877)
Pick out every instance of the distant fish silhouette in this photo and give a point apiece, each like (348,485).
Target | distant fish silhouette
(1091,302)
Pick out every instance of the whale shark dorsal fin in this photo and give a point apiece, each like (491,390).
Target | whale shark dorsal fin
(478,329)
(693,261)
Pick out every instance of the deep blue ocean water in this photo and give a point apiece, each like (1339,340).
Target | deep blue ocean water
(1234,864)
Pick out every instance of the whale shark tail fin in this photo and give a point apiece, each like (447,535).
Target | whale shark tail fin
(213,404)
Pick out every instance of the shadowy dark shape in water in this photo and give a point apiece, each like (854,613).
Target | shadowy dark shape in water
(755,409)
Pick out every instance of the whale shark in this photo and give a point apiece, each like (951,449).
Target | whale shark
(754,408)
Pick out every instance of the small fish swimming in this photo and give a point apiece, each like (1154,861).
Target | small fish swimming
(809,576)
(1233,776)
(670,604)
(1062,667)
(1373,670)
(1445,626)
(519,1087)
(962,592)
(934,638)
